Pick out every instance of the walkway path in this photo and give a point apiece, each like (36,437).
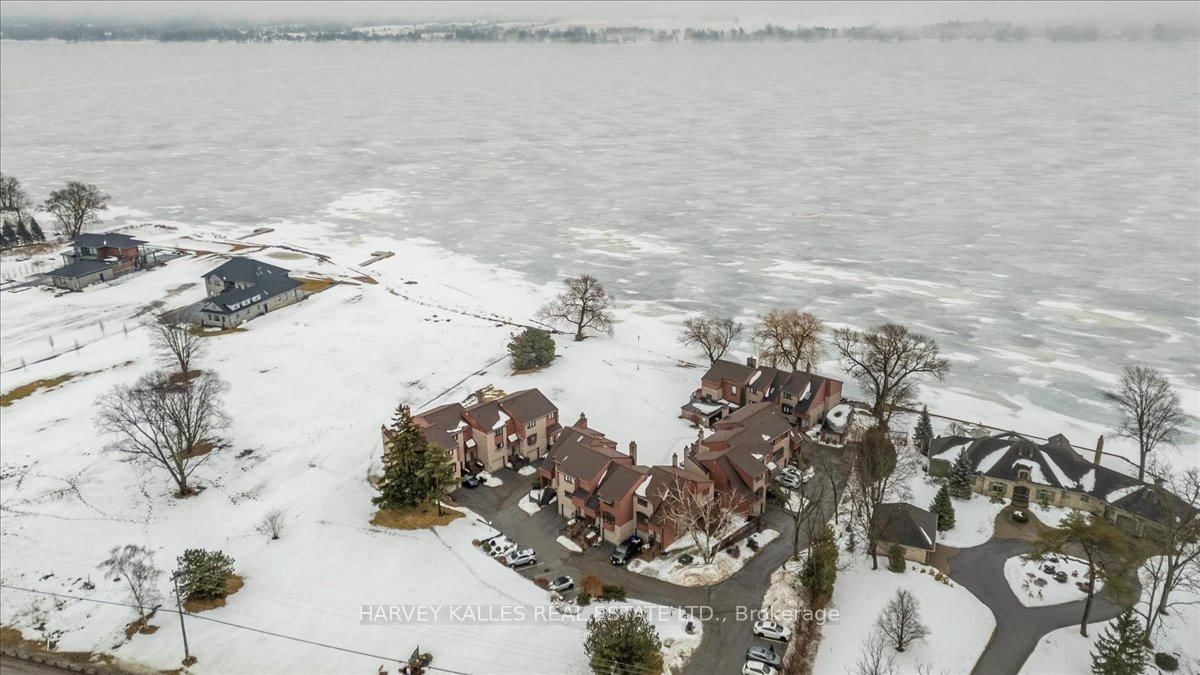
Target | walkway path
(1018,628)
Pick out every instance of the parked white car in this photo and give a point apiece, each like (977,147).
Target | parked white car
(521,558)
(758,668)
(561,584)
(772,631)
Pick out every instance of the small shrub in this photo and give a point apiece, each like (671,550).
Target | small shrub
(752,544)
(734,552)
(202,574)
(1166,662)
(613,592)
(593,586)
(895,555)
(531,349)
(584,599)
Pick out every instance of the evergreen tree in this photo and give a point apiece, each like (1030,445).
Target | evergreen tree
(36,230)
(23,232)
(944,509)
(202,574)
(401,485)
(961,476)
(819,572)
(533,348)
(1121,649)
(623,643)
(8,233)
(437,472)
(923,433)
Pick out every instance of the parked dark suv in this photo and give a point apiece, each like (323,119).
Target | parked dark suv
(628,548)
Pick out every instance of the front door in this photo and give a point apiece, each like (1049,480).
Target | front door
(1021,495)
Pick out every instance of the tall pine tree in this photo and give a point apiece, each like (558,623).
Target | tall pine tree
(944,509)
(1121,649)
(36,230)
(961,476)
(437,473)
(400,486)
(923,433)
(8,233)
(23,232)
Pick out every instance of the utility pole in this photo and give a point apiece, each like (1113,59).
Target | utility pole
(639,351)
(187,657)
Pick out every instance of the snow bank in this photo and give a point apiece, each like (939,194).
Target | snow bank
(668,568)
(568,544)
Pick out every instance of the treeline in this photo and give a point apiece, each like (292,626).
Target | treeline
(46,29)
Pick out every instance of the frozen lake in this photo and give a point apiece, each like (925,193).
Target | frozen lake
(1036,207)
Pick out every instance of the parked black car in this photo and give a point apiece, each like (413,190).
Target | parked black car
(470,482)
(628,548)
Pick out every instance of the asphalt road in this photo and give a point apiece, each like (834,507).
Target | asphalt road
(1018,628)
(725,639)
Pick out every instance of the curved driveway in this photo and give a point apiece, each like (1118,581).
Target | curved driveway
(1018,628)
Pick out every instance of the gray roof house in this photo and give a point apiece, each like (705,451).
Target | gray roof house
(243,288)
(911,527)
(1011,465)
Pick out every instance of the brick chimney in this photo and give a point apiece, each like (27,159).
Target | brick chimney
(582,421)
(633,451)
(751,362)
(1099,450)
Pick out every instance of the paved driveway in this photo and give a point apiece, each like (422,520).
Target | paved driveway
(1018,628)
(725,640)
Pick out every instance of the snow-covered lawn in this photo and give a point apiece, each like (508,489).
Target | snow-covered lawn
(309,386)
(488,479)
(1035,587)
(698,573)
(974,518)
(527,470)
(528,503)
(959,624)
(1066,652)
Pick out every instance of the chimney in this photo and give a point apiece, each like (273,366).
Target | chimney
(1099,450)
(582,422)
(751,362)
(808,367)
(674,459)
(633,451)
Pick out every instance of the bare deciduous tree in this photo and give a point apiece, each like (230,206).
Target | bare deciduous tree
(873,658)
(711,334)
(76,206)
(1177,565)
(1150,409)
(176,342)
(789,337)
(168,424)
(273,524)
(13,198)
(900,622)
(135,565)
(880,475)
(886,361)
(707,517)
(583,304)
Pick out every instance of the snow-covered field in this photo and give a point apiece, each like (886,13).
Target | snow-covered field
(1066,652)
(309,386)
(1023,575)
(699,573)
(959,624)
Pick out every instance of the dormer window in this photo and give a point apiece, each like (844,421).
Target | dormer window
(1022,474)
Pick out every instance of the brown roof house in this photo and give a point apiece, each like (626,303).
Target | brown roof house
(592,479)
(803,397)
(101,256)
(652,497)
(745,449)
(488,435)
(1053,473)
(912,528)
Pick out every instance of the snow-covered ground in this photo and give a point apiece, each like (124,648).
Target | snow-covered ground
(698,573)
(1066,652)
(309,386)
(959,624)
(974,518)
(1024,574)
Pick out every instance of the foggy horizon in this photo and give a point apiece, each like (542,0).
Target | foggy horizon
(832,14)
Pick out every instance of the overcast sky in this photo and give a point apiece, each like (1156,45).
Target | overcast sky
(826,13)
